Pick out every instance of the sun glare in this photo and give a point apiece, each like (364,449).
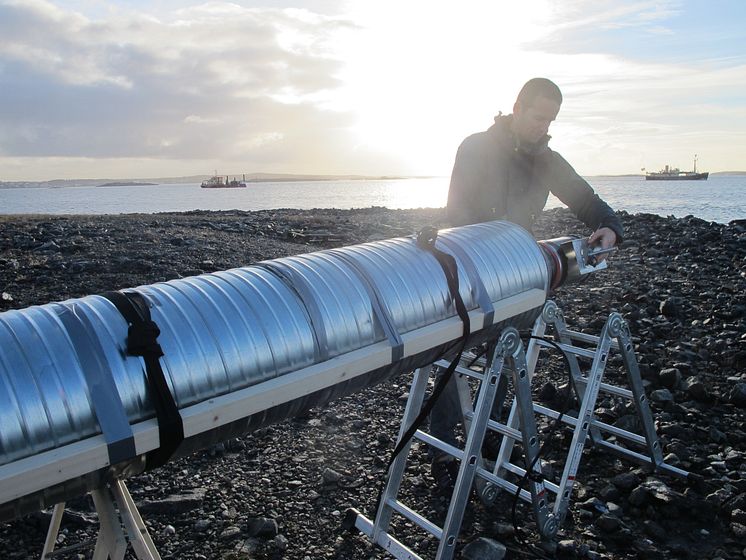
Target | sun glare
(419,77)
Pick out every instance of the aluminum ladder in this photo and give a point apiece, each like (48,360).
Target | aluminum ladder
(507,362)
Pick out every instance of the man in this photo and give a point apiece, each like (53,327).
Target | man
(506,173)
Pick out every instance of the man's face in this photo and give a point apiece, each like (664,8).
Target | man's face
(531,123)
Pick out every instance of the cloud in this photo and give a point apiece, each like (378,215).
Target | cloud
(294,90)
(213,81)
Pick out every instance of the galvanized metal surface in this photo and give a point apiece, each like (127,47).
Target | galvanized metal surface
(230,330)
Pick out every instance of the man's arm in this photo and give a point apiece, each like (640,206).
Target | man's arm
(580,197)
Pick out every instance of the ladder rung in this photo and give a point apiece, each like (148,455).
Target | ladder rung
(462,370)
(618,391)
(443,446)
(607,388)
(635,438)
(592,339)
(415,517)
(515,469)
(525,495)
(584,352)
(643,459)
(384,539)
(499,428)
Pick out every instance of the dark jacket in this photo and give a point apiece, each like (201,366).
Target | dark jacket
(496,178)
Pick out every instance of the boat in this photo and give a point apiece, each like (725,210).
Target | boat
(217,182)
(675,174)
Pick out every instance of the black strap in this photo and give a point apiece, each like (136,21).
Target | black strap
(426,241)
(142,341)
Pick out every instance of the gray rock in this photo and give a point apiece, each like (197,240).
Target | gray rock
(671,307)
(504,530)
(262,527)
(662,396)
(716,436)
(330,476)
(615,509)
(176,503)
(566,546)
(608,523)
(202,525)
(738,530)
(739,516)
(609,493)
(639,496)
(547,392)
(230,532)
(695,388)
(484,549)
(738,395)
(670,378)
(281,542)
(626,481)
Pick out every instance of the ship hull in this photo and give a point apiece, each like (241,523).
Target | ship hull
(677,177)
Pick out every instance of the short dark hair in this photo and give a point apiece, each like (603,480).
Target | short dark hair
(539,87)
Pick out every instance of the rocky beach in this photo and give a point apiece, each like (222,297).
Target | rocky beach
(281,492)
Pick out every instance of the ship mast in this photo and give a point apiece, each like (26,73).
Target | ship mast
(695,163)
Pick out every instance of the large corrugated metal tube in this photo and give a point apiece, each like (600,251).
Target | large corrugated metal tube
(241,349)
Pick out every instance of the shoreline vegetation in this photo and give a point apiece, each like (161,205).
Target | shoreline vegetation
(281,492)
(250,178)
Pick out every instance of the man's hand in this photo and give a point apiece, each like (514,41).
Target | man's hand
(603,237)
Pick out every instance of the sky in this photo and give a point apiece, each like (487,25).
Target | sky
(136,89)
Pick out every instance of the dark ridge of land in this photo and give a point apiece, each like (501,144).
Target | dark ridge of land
(125,184)
(680,284)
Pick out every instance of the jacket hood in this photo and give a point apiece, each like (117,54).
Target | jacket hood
(502,132)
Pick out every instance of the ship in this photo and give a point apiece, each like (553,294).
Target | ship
(675,174)
(217,182)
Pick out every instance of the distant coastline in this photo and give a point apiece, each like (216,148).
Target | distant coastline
(125,184)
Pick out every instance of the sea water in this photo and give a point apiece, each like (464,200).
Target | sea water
(721,198)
